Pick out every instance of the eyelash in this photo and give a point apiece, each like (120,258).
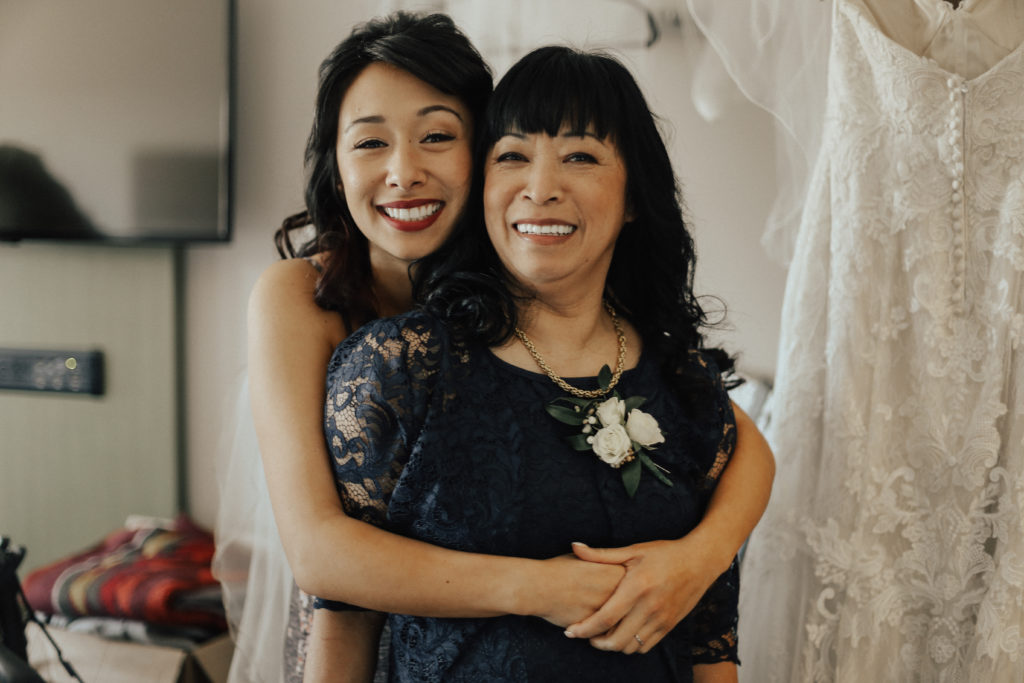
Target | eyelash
(582,156)
(510,156)
(429,138)
(575,157)
(438,137)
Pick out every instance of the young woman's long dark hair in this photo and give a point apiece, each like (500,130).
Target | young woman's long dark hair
(430,47)
(650,279)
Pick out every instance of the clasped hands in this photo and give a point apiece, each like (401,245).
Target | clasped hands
(626,599)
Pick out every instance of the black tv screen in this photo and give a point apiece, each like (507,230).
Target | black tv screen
(115,120)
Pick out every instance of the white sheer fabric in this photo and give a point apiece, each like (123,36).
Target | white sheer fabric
(777,53)
(250,562)
(893,549)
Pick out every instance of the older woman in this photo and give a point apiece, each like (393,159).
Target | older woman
(505,419)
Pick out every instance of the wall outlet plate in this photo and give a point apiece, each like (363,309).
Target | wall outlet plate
(74,372)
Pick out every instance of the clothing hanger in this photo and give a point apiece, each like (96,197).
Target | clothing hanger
(656,23)
(654,30)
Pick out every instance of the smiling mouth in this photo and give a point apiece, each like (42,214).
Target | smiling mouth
(412,214)
(554,229)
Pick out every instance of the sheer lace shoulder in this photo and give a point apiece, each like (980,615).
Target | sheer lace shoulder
(379,382)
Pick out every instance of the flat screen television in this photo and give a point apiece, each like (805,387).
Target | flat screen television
(116,120)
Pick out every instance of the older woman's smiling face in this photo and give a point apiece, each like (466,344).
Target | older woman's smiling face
(554,206)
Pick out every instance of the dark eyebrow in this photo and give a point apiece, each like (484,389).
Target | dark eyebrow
(581,134)
(567,134)
(375,118)
(438,107)
(378,118)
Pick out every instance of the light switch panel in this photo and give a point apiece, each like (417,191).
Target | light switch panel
(75,372)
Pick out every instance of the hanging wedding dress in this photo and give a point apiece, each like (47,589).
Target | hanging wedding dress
(893,548)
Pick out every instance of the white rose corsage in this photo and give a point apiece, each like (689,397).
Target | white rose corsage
(616,431)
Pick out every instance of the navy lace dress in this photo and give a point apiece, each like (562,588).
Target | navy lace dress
(452,446)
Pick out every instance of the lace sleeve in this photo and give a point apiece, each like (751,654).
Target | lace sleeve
(713,621)
(725,421)
(377,395)
(379,384)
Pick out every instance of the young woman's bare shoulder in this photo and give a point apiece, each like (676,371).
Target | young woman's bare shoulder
(283,295)
(292,275)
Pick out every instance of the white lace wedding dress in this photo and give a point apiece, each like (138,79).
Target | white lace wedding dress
(893,548)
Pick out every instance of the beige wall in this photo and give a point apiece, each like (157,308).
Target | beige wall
(49,49)
(73,467)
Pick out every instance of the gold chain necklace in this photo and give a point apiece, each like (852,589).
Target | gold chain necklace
(565,386)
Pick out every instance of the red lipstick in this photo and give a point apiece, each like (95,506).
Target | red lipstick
(411,215)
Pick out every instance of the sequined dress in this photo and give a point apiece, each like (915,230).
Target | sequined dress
(448,444)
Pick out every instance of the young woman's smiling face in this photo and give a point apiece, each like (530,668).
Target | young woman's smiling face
(554,207)
(405,160)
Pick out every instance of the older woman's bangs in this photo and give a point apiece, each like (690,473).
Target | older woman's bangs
(555,88)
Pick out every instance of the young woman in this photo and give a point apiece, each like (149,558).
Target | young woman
(411,88)
(389,176)
(441,428)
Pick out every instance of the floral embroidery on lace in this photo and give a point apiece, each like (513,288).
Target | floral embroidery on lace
(895,532)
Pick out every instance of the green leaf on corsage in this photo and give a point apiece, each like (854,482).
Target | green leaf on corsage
(579,442)
(655,468)
(631,476)
(634,402)
(569,416)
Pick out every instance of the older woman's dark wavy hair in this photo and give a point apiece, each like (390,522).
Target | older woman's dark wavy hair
(651,274)
(428,46)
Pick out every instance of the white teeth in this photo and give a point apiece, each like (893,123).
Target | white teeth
(531,229)
(417,213)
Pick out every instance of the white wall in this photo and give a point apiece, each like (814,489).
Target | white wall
(726,169)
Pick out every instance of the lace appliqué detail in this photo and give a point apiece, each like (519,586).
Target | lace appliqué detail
(895,533)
